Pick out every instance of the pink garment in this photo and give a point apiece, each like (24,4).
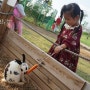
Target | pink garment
(11,23)
(14,23)
(17,22)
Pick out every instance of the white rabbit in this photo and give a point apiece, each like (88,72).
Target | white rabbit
(15,70)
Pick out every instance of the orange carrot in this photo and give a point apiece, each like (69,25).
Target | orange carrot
(32,68)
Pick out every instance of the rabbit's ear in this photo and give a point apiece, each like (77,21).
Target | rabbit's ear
(18,61)
(23,57)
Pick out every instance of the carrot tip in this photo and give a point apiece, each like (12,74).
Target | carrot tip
(32,68)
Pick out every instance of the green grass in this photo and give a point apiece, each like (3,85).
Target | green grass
(36,39)
(84,69)
(85,40)
(29,19)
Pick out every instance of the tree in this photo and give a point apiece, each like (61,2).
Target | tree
(85,23)
(49,2)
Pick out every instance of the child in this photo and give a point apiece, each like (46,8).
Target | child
(69,37)
(14,23)
(53,26)
(58,21)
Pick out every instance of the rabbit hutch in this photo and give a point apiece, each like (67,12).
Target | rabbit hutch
(50,75)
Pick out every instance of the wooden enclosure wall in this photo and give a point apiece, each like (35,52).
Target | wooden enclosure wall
(4,18)
(50,75)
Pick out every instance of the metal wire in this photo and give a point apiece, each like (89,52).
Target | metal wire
(30,27)
(6,13)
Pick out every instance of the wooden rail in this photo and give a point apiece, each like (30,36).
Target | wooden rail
(4,19)
(50,74)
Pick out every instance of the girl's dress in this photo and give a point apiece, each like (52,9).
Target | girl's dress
(70,36)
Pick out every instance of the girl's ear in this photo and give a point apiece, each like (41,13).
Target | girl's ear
(23,57)
(77,17)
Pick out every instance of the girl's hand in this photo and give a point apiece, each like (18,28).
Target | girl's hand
(57,49)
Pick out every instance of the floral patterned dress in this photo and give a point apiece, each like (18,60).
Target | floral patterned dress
(71,39)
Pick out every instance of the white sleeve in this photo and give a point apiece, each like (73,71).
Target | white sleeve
(20,9)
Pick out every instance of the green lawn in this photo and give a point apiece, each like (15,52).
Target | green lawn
(36,39)
(84,39)
(83,66)
(84,69)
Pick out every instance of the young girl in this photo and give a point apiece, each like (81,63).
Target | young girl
(53,26)
(69,37)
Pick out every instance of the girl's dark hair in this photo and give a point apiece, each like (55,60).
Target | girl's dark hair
(74,10)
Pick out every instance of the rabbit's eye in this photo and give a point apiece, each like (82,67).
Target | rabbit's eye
(21,69)
(26,68)
(16,73)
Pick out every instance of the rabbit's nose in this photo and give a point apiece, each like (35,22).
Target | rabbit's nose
(10,80)
(24,72)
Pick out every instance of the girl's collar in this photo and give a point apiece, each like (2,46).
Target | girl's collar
(69,27)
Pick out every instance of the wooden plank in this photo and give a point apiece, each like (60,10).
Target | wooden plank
(14,48)
(3,26)
(10,54)
(19,56)
(19,50)
(34,83)
(60,70)
(6,51)
(86,86)
(46,79)
(39,82)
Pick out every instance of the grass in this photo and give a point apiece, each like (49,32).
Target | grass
(83,66)
(29,19)
(36,39)
(85,40)
(84,69)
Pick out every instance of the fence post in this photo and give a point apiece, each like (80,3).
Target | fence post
(6,7)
